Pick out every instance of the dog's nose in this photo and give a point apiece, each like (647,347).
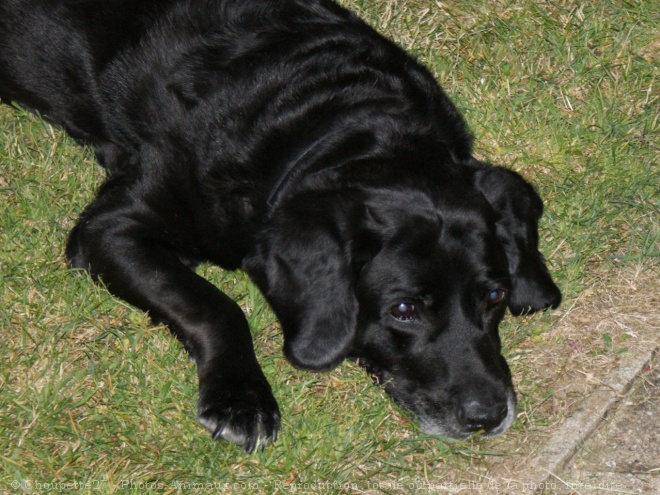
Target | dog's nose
(476,415)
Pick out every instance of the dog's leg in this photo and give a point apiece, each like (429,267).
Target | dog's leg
(125,247)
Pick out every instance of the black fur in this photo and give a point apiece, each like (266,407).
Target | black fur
(289,139)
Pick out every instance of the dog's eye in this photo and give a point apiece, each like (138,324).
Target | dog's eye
(495,296)
(404,311)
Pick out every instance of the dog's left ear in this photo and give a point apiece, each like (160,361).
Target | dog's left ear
(518,208)
(303,267)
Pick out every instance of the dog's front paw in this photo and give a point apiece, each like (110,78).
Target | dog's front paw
(243,412)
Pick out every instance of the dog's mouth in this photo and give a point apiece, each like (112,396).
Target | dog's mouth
(375,373)
(447,418)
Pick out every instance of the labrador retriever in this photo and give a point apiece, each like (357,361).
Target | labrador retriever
(289,139)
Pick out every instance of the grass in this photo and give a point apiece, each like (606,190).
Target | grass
(93,398)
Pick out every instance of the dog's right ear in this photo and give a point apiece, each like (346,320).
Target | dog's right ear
(518,208)
(303,268)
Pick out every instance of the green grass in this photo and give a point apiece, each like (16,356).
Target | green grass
(90,393)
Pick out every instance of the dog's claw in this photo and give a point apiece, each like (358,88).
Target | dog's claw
(246,418)
(262,434)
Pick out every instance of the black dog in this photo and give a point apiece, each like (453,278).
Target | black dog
(289,139)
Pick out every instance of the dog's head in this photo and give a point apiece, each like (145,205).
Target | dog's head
(413,281)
